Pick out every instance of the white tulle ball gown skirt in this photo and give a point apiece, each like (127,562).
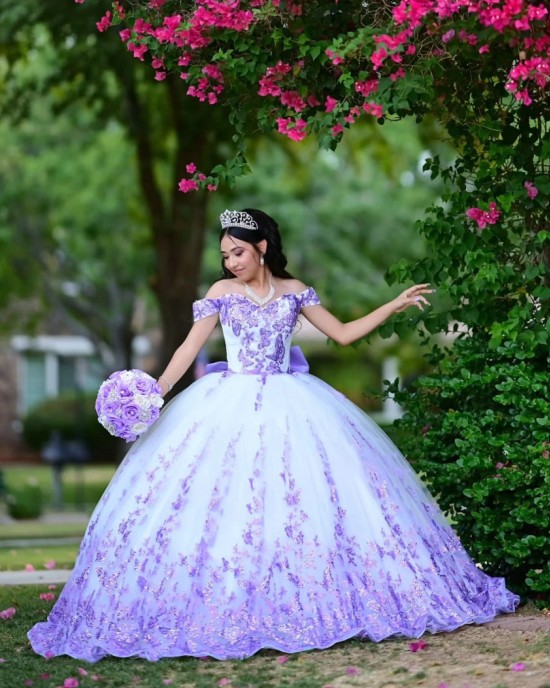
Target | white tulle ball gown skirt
(263,511)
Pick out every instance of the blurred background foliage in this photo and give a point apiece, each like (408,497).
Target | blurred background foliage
(76,228)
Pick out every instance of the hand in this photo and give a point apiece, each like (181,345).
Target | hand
(413,296)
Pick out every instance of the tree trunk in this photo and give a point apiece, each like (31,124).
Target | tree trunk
(178,221)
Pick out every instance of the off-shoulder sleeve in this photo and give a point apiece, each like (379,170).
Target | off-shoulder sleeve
(205,307)
(309,298)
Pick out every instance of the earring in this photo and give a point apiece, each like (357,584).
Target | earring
(262,261)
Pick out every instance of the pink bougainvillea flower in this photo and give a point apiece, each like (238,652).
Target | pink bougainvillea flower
(484,217)
(212,187)
(373,109)
(282,659)
(417,646)
(51,564)
(532,190)
(294,129)
(191,168)
(186,185)
(292,99)
(518,666)
(330,104)
(365,88)
(8,613)
(352,671)
(47,596)
(105,22)
(71,682)
(337,129)
(29,567)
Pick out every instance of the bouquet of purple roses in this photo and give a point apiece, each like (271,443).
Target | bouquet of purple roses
(127,403)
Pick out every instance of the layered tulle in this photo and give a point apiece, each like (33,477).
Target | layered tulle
(263,511)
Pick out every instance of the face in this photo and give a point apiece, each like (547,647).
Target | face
(240,257)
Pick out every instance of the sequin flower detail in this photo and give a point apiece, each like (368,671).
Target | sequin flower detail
(127,403)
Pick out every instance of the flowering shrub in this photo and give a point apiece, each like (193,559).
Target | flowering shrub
(373,59)
(479,431)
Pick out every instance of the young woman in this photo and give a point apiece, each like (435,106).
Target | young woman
(263,509)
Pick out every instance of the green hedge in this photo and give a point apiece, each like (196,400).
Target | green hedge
(25,501)
(73,417)
(478,429)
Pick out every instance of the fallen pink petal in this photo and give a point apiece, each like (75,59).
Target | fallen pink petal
(352,671)
(29,567)
(282,659)
(518,666)
(417,646)
(82,671)
(71,682)
(224,681)
(2,660)
(44,676)
(52,587)
(50,565)
(8,613)
(28,682)
(47,596)
(168,681)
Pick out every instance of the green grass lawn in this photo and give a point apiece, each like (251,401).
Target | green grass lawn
(16,559)
(31,530)
(82,486)
(474,656)
(304,670)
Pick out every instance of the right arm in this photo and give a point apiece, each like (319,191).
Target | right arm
(186,353)
(193,343)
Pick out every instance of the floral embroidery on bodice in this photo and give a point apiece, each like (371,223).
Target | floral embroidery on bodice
(257,338)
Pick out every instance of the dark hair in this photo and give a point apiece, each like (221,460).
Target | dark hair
(268,229)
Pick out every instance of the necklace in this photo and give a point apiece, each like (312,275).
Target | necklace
(261,301)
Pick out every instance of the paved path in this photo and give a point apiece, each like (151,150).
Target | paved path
(34,577)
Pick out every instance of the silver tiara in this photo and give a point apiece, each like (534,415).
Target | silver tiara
(236,218)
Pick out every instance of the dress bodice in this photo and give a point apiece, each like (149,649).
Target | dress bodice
(257,338)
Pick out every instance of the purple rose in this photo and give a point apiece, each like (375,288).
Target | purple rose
(130,412)
(144,385)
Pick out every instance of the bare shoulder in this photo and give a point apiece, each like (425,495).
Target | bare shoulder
(291,286)
(219,288)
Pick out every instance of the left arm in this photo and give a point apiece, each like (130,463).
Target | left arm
(346,333)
